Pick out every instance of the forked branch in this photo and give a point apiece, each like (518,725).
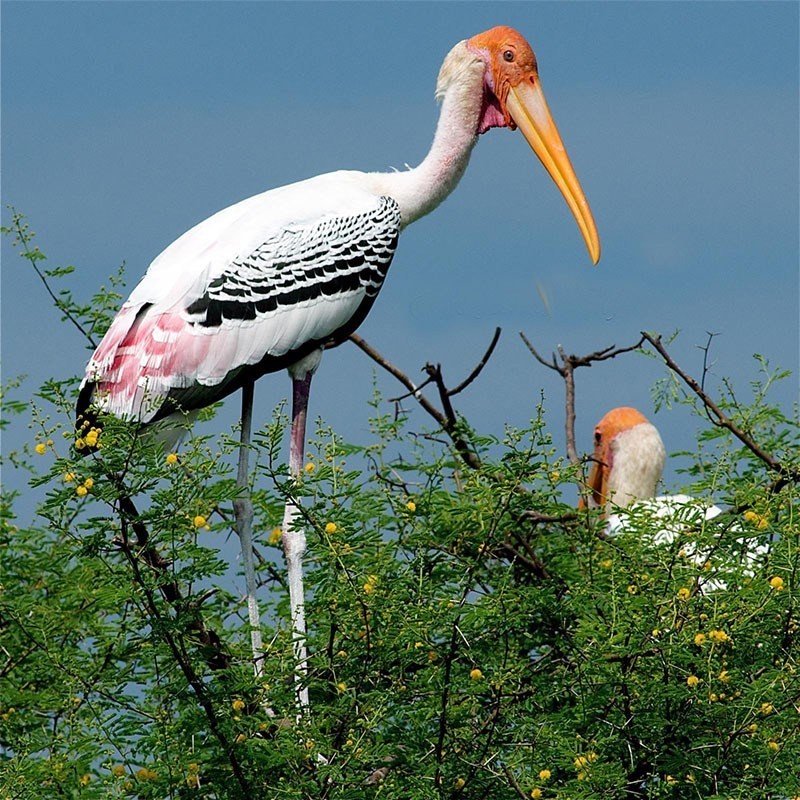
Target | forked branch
(566,369)
(445,417)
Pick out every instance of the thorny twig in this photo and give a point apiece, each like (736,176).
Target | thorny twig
(21,231)
(566,369)
(446,419)
(719,419)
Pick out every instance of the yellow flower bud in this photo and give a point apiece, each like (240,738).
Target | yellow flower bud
(718,636)
(81,491)
(88,483)
(172,458)
(118,770)
(475,674)
(776,583)
(699,639)
(684,593)
(459,784)
(275,536)
(331,528)
(411,506)
(536,793)
(199,521)
(759,520)
(238,705)
(70,477)
(310,467)
(692,681)
(41,448)
(544,775)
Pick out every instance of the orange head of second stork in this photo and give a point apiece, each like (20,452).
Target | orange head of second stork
(628,460)
(513,98)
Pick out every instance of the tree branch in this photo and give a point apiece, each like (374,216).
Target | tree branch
(480,365)
(446,419)
(211,645)
(566,369)
(718,417)
(185,665)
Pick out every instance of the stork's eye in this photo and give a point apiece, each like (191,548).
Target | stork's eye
(508,55)
(597,437)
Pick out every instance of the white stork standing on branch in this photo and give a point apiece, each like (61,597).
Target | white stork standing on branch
(265,284)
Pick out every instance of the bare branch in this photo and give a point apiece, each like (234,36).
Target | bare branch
(446,419)
(720,419)
(400,375)
(566,369)
(481,364)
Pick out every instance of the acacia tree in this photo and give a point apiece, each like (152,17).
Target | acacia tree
(470,635)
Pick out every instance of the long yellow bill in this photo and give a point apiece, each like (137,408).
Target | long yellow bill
(529,110)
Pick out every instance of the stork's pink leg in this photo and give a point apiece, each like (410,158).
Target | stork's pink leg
(243,507)
(294,537)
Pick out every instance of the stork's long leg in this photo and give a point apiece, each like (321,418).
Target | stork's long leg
(294,537)
(243,507)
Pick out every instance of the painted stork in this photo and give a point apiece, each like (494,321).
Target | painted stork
(265,284)
(628,461)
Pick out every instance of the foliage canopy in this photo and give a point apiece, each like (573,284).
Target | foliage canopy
(470,634)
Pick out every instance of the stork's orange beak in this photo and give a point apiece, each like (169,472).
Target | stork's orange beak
(528,109)
(597,485)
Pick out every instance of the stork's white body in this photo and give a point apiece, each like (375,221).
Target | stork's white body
(163,353)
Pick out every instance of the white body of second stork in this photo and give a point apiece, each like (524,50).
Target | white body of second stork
(629,458)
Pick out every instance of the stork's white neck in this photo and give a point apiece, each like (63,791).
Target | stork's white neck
(419,190)
(637,458)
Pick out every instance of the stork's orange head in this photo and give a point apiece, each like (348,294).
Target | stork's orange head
(510,61)
(513,98)
(613,423)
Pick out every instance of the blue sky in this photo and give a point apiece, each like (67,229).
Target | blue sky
(123,124)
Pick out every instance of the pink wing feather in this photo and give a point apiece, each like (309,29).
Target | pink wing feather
(254,285)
